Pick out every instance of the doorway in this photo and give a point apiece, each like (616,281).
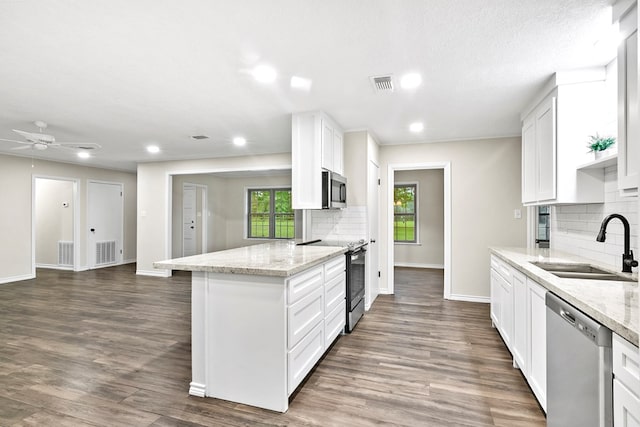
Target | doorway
(446,171)
(55,230)
(194,219)
(105,221)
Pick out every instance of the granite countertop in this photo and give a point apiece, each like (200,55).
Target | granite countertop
(612,303)
(280,259)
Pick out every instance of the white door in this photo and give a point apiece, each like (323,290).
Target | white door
(372,284)
(105,222)
(189,211)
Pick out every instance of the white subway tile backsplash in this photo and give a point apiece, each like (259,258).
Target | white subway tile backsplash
(347,224)
(574,227)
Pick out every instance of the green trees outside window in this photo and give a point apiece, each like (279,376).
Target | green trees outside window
(404,213)
(270,215)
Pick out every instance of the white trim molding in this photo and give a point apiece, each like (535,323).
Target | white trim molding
(154,273)
(419,265)
(446,168)
(469,298)
(11,279)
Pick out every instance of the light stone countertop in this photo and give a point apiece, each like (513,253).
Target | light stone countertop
(612,303)
(280,259)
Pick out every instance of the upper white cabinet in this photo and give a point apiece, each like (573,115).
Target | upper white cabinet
(316,144)
(555,132)
(628,114)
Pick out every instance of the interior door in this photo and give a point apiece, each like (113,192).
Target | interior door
(372,287)
(105,221)
(189,225)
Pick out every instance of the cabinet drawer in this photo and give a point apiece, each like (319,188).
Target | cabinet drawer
(304,283)
(626,366)
(334,293)
(334,324)
(304,316)
(501,267)
(334,268)
(302,358)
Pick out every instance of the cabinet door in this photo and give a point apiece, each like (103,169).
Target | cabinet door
(327,145)
(537,314)
(338,152)
(628,114)
(495,298)
(626,406)
(506,312)
(529,160)
(520,322)
(545,135)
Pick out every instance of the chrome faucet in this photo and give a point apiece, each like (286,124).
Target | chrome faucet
(627,256)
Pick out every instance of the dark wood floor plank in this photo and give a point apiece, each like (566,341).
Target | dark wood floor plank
(109,348)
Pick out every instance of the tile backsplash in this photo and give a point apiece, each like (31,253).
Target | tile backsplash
(348,224)
(574,227)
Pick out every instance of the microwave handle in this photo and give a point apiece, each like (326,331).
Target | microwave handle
(343,193)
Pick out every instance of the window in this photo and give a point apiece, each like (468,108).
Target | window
(270,215)
(405,227)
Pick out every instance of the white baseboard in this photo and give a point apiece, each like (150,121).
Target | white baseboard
(17,278)
(418,265)
(197,389)
(81,268)
(154,273)
(469,298)
(129,261)
(55,267)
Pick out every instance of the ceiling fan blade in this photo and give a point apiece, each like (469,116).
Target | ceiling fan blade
(77,145)
(35,137)
(23,147)
(16,141)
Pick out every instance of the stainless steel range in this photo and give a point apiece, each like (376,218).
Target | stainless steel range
(356,273)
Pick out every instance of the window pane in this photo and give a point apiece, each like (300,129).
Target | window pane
(285,228)
(259,213)
(259,225)
(283,201)
(260,200)
(404,222)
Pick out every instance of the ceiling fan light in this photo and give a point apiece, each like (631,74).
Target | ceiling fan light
(84,155)
(39,146)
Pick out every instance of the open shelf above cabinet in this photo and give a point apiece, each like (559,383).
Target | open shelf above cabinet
(601,163)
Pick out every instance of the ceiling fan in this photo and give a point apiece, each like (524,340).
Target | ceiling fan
(42,141)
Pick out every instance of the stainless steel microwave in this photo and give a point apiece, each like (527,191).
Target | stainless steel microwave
(334,190)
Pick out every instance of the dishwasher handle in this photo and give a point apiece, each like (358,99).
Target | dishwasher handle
(567,316)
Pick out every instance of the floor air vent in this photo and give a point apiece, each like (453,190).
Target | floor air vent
(106,252)
(65,253)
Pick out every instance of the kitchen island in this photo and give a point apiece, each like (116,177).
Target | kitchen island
(261,318)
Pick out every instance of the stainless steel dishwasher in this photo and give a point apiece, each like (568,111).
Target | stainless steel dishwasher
(579,372)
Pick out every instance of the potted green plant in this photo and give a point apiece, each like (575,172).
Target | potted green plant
(598,144)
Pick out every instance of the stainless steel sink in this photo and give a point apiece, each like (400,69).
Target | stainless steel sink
(580,271)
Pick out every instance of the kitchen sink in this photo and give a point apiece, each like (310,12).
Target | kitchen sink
(580,271)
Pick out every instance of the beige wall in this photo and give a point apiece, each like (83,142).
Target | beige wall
(54,221)
(154,190)
(15,216)
(485,190)
(429,250)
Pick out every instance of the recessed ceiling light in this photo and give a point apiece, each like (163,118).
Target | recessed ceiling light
(83,155)
(410,81)
(264,74)
(416,127)
(153,149)
(300,83)
(239,141)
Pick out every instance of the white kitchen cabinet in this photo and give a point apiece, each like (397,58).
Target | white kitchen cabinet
(626,383)
(520,321)
(555,133)
(628,112)
(518,311)
(536,372)
(316,144)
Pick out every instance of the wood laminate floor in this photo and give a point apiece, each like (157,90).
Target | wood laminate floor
(109,348)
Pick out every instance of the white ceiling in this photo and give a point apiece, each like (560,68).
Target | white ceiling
(125,74)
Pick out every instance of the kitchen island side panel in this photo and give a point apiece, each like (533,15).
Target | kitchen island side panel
(246,348)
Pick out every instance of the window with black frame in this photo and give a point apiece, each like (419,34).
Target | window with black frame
(405,220)
(269,214)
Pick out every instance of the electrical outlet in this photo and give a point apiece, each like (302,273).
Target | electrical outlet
(517,213)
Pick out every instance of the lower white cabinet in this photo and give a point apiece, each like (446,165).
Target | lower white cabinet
(304,356)
(626,383)
(518,312)
(536,371)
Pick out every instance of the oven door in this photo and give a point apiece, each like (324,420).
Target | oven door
(355,278)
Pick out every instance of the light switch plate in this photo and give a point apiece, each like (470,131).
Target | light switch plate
(517,213)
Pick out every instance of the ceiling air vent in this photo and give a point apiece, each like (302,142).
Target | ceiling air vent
(382,84)
(199,137)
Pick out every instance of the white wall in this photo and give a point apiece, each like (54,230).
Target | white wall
(429,250)
(154,239)
(574,227)
(485,187)
(16,174)
(54,221)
